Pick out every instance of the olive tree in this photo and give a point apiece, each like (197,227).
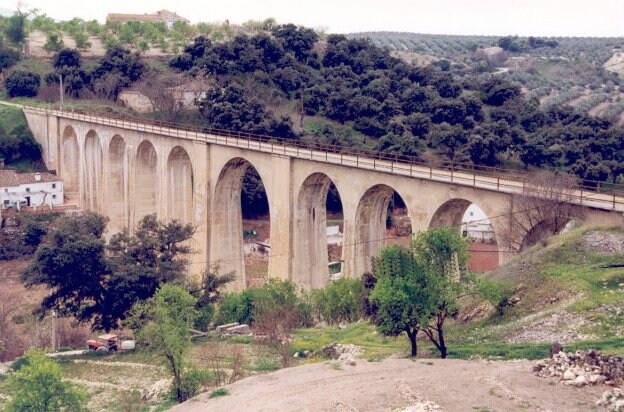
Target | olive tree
(39,386)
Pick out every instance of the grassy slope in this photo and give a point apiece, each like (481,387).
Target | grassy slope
(562,276)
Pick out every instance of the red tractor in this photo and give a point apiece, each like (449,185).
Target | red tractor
(104,343)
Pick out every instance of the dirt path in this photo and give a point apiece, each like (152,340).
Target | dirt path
(421,385)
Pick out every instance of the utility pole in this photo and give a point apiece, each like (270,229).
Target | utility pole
(61,89)
(53,337)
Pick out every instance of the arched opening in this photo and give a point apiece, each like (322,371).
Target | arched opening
(180,186)
(117,204)
(542,231)
(93,172)
(373,225)
(70,164)
(318,232)
(476,226)
(146,181)
(241,245)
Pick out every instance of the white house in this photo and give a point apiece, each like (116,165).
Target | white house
(476,224)
(19,190)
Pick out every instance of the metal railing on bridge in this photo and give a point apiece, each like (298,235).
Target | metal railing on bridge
(602,195)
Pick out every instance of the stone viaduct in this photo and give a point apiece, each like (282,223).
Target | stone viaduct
(127,169)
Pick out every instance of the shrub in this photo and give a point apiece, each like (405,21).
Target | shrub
(193,381)
(219,392)
(235,307)
(22,84)
(339,301)
(205,315)
(18,364)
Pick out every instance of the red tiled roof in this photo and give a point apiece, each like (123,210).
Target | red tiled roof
(7,178)
(10,178)
(161,15)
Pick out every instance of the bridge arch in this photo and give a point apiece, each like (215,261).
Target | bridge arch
(146,181)
(70,164)
(227,244)
(484,247)
(93,172)
(179,186)
(310,265)
(370,226)
(118,184)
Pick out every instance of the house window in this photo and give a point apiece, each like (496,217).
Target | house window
(6,190)
(6,202)
(471,213)
(53,196)
(53,185)
(28,189)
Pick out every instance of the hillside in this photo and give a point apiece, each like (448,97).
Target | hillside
(555,75)
(569,290)
(529,104)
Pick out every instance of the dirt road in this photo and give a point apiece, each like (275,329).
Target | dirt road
(403,384)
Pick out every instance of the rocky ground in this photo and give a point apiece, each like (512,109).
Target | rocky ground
(404,385)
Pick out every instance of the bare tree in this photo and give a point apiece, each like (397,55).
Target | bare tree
(171,94)
(544,209)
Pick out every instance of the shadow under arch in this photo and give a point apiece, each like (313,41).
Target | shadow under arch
(146,182)
(227,243)
(117,207)
(371,226)
(179,186)
(93,187)
(70,164)
(311,257)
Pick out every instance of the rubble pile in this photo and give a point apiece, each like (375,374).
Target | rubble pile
(582,368)
(612,400)
(342,352)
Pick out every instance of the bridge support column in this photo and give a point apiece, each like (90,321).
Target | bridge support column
(280,195)
(349,208)
(201,208)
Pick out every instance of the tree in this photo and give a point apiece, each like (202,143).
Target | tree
(443,252)
(15,28)
(496,91)
(400,294)
(54,42)
(168,93)
(543,209)
(39,386)
(97,282)
(22,84)
(67,58)
(121,67)
(8,58)
(165,321)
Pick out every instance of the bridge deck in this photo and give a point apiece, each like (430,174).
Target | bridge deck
(502,183)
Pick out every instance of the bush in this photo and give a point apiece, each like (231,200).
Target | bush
(22,84)
(339,301)
(219,392)
(246,306)
(235,307)
(205,315)
(193,381)
(18,364)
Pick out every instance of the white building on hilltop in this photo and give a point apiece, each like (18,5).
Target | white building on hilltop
(19,190)
(476,224)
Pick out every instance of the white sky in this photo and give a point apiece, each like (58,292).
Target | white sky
(496,17)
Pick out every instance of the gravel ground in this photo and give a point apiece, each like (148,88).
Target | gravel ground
(400,384)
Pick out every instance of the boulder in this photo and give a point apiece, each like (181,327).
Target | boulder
(580,380)
(568,375)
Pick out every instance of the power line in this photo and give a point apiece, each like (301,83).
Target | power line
(392,238)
